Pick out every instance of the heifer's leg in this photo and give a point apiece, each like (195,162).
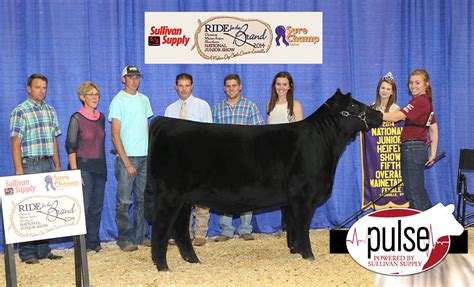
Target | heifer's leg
(159,246)
(303,211)
(302,224)
(167,207)
(166,216)
(290,228)
(182,235)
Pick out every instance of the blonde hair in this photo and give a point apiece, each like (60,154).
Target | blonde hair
(426,78)
(84,88)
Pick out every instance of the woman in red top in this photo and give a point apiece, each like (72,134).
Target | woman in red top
(419,121)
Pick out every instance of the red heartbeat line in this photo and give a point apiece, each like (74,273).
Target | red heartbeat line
(356,239)
(440,242)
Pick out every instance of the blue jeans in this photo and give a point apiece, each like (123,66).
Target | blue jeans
(126,185)
(93,192)
(227,228)
(35,249)
(413,159)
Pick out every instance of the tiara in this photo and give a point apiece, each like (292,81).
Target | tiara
(388,76)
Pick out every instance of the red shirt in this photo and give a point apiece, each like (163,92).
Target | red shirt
(417,112)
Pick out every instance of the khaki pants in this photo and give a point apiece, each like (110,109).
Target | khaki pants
(201,216)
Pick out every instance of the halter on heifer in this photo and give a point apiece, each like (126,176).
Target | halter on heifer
(346,114)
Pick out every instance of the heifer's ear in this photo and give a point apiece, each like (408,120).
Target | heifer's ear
(338,100)
(349,95)
(338,94)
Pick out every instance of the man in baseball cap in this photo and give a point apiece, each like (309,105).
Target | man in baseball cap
(129,113)
(131,71)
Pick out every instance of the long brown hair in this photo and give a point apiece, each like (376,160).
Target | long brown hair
(393,96)
(289,95)
(425,76)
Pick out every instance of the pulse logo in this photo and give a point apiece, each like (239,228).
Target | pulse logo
(402,241)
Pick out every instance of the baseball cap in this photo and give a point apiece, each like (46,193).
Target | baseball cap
(131,71)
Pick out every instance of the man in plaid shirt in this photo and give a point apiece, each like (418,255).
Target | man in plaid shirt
(235,109)
(34,127)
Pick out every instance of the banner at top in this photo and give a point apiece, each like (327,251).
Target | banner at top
(233,37)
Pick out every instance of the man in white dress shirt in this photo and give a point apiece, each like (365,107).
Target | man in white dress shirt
(188,107)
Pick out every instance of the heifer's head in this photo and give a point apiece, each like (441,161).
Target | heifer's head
(355,116)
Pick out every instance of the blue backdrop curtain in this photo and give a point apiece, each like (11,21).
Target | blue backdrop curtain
(75,41)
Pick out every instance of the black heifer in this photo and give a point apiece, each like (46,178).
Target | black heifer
(233,169)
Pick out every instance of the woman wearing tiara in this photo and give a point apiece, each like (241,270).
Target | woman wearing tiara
(386,95)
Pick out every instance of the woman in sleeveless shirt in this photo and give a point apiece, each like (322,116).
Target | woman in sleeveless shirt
(282,107)
(86,151)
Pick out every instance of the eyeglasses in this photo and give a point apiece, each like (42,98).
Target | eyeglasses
(93,95)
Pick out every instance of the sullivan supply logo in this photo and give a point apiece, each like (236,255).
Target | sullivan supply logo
(165,35)
(402,241)
(220,38)
(18,186)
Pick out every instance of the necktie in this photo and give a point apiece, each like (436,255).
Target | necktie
(182,111)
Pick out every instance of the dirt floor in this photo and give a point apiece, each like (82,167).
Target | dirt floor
(265,261)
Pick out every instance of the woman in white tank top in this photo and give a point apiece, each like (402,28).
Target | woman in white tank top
(282,107)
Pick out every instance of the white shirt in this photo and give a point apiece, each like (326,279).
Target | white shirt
(196,110)
(279,115)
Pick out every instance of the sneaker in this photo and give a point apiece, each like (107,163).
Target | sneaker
(31,260)
(199,241)
(222,238)
(146,242)
(247,236)
(129,247)
(54,257)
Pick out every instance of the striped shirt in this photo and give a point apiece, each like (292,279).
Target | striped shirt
(244,112)
(37,126)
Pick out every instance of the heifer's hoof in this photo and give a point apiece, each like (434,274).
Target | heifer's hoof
(294,250)
(191,260)
(309,257)
(162,267)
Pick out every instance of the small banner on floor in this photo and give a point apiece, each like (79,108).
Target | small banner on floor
(233,38)
(381,169)
(42,206)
